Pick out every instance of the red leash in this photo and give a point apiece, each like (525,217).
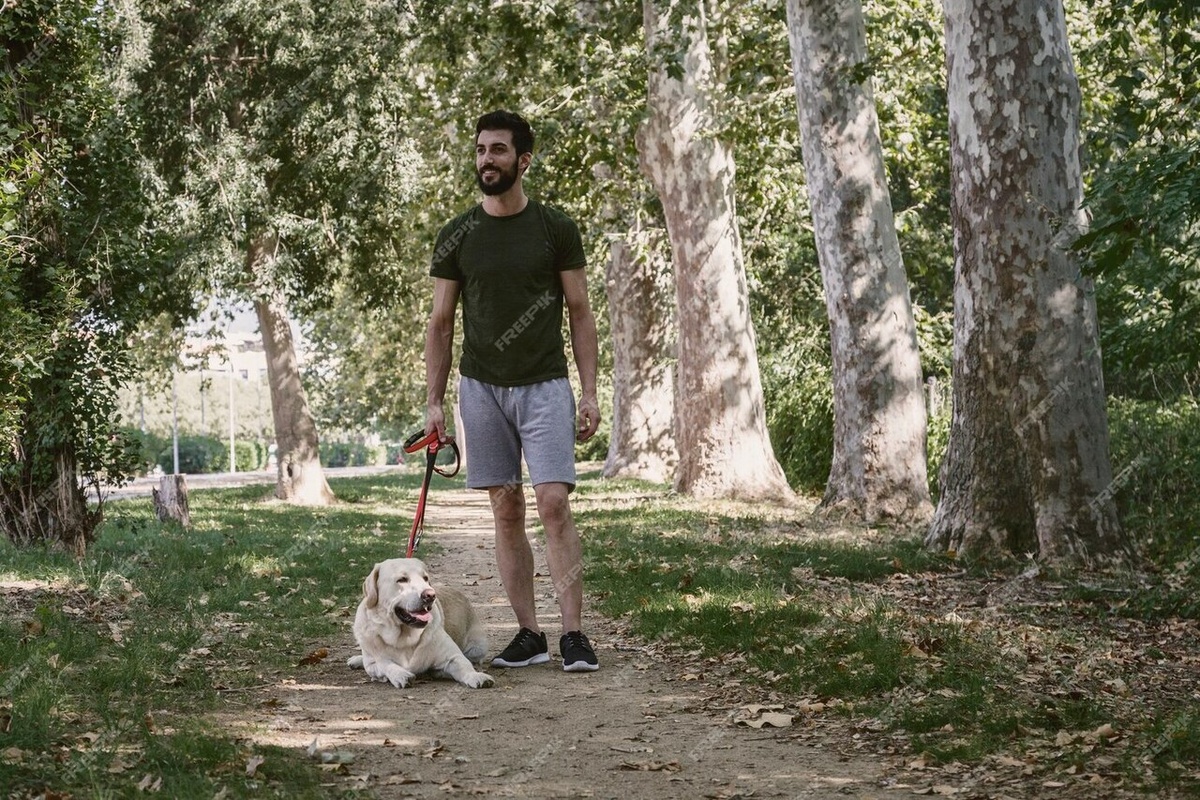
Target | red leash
(431,445)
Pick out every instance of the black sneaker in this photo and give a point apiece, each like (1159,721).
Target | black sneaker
(525,649)
(577,653)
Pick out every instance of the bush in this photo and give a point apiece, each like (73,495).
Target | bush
(799,398)
(197,454)
(144,448)
(353,454)
(1156,470)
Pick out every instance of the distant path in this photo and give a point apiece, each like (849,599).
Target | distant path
(140,487)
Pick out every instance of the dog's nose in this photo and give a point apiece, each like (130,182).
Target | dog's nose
(428,596)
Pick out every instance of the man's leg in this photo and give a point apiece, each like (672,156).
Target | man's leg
(564,553)
(514,557)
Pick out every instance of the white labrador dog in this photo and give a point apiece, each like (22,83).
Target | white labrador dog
(404,628)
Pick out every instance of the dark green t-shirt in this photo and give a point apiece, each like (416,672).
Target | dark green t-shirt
(508,270)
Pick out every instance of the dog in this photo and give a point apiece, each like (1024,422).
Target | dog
(404,628)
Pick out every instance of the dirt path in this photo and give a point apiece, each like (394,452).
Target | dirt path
(644,726)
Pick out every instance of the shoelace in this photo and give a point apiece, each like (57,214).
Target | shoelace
(576,639)
(525,636)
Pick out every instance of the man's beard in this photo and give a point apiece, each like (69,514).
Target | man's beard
(504,181)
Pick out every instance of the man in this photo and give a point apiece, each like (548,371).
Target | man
(515,263)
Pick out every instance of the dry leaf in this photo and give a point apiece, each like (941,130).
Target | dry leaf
(315,657)
(1063,738)
(149,783)
(14,755)
(253,764)
(651,766)
(773,718)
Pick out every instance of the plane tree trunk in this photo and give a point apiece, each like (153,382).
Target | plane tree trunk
(720,419)
(1027,468)
(878,470)
(640,307)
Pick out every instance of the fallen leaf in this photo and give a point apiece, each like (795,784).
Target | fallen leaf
(1063,738)
(651,766)
(400,780)
(14,755)
(773,718)
(149,783)
(315,657)
(253,764)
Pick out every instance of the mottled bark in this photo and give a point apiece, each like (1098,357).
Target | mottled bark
(640,300)
(1027,469)
(878,469)
(301,478)
(720,421)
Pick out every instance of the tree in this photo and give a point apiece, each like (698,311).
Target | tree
(641,316)
(878,469)
(720,420)
(80,265)
(1027,468)
(285,143)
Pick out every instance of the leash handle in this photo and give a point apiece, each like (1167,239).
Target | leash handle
(432,445)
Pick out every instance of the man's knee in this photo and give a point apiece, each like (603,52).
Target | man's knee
(554,508)
(508,503)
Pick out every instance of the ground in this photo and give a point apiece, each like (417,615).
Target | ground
(648,724)
(655,722)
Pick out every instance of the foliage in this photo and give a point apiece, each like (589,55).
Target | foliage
(352,454)
(1143,71)
(81,262)
(1156,463)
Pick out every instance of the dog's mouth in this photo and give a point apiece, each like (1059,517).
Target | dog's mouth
(417,619)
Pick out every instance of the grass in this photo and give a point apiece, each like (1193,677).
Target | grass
(863,627)
(109,664)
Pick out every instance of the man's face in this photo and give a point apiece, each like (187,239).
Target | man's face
(497,165)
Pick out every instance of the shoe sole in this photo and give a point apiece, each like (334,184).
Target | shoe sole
(540,658)
(580,666)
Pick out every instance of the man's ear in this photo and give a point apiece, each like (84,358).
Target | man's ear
(524,161)
(371,588)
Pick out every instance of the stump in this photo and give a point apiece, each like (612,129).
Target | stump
(170,500)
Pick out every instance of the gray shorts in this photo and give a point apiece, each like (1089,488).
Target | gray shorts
(502,422)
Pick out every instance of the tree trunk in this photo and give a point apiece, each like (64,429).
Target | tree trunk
(47,504)
(642,444)
(1027,468)
(720,421)
(878,469)
(301,479)
(171,500)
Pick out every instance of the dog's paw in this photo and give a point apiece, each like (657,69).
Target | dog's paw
(478,680)
(398,676)
(355,662)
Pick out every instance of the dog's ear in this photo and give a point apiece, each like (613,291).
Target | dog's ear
(371,588)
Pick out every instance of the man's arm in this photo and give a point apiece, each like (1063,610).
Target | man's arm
(439,346)
(585,348)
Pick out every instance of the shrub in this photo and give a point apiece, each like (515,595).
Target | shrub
(1156,470)
(197,454)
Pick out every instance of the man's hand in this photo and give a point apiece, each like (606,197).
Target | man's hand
(589,418)
(435,420)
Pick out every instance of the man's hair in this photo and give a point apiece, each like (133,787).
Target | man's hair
(522,134)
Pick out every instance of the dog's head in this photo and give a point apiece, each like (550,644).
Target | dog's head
(400,587)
